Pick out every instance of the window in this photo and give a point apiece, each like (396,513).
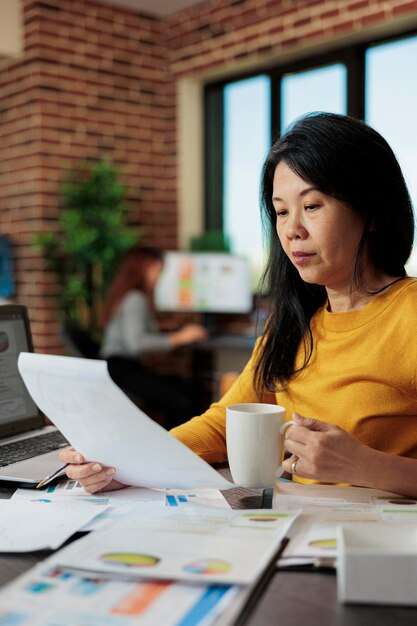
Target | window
(391,105)
(246,143)
(243,116)
(321,89)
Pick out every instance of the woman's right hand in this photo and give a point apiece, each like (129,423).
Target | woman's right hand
(190,333)
(92,476)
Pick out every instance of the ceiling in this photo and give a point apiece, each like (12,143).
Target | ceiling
(159,8)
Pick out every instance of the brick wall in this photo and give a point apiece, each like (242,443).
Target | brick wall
(223,34)
(99,81)
(92,82)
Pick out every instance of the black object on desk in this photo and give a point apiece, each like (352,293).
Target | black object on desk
(267,498)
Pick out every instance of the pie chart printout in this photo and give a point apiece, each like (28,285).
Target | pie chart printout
(324,544)
(130,559)
(208,566)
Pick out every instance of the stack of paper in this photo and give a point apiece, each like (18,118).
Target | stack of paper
(322,509)
(139,568)
(197,545)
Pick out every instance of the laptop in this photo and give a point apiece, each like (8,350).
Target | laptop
(29,450)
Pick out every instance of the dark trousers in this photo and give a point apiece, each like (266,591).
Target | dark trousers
(170,395)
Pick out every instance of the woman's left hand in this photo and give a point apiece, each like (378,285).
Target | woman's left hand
(325,452)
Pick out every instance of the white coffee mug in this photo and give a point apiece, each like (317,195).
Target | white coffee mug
(255,434)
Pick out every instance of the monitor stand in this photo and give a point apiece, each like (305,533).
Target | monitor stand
(210,323)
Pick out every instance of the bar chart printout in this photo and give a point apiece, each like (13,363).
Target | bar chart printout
(50,595)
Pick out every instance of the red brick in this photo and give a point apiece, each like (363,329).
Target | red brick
(367,20)
(405,7)
(361,4)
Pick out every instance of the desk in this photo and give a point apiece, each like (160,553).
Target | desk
(231,351)
(218,355)
(291,598)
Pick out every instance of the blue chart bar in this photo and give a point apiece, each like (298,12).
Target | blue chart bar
(51,489)
(204,605)
(172,500)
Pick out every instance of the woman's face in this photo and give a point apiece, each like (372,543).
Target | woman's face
(319,234)
(152,275)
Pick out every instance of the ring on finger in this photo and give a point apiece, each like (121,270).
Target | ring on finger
(294,466)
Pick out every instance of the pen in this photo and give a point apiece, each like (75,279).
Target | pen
(322,564)
(51,475)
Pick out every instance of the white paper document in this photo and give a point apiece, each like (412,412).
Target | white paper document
(111,505)
(49,596)
(322,509)
(100,421)
(329,502)
(37,525)
(221,546)
(396,509)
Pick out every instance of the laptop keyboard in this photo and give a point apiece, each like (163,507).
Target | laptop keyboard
(33,446)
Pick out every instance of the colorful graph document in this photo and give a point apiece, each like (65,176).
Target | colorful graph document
(323,508)
(198,497)
(49,596)
(396,509)
(221,546)
(35,525)
(100,421)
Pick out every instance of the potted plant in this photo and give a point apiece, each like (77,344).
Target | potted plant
(91,238)
(210,241)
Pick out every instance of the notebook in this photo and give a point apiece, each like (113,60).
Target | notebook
(28,449)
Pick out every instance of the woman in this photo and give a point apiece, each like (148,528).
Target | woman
(131,331)
(339,350)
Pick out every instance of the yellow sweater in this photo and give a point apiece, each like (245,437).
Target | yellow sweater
(361,376)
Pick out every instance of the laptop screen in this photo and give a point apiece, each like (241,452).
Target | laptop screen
(18,412)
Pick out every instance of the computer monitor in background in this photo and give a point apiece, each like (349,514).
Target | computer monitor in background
(208,282)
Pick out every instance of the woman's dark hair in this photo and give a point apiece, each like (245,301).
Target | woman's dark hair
(346,159)
(131,275)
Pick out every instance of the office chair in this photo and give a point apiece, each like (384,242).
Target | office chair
(80,342)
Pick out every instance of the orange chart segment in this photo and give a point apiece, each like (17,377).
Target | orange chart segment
(141,598)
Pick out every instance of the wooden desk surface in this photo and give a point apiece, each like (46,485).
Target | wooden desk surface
(291,598)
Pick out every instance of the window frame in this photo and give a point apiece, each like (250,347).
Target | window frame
(353,57)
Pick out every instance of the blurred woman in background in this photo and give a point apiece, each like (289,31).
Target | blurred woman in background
(131,331)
